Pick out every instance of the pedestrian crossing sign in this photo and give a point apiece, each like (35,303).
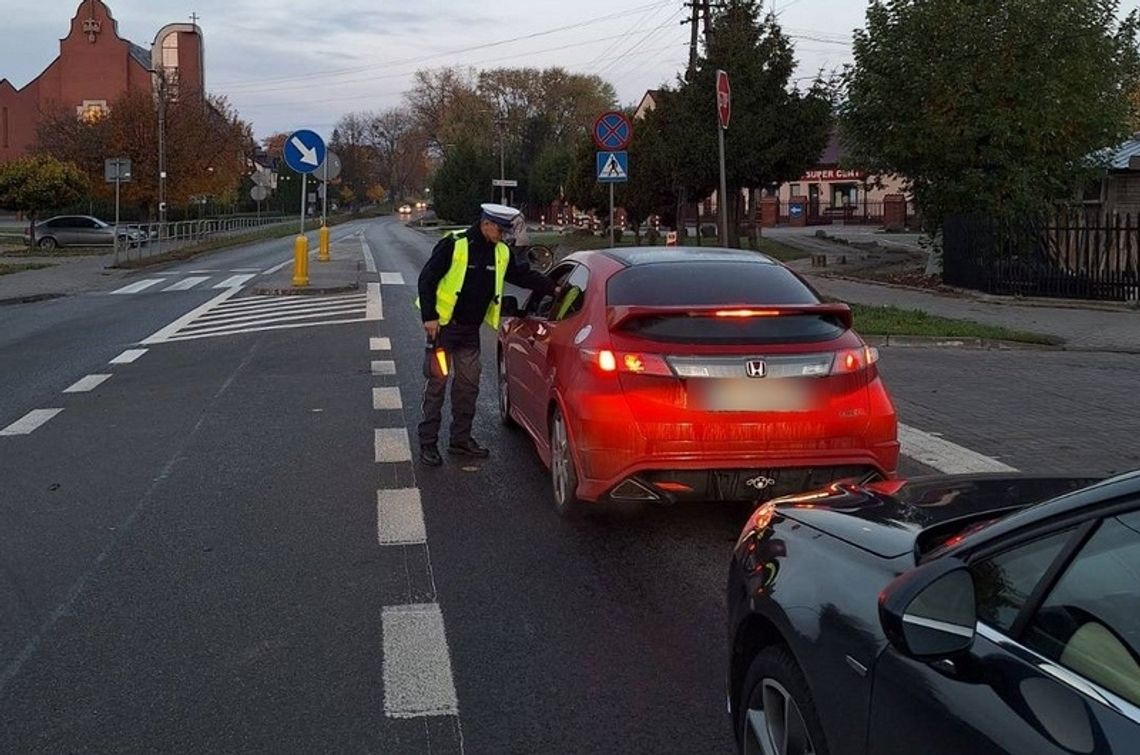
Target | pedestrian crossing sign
(613,167)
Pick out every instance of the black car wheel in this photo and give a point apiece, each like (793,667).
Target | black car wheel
(777,715)
(504,395)
(562,473)
(47,243)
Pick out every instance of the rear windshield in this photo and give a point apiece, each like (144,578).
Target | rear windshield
(696,283)
(731,284)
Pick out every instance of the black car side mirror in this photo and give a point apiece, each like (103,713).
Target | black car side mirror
(509,307)
(930,612)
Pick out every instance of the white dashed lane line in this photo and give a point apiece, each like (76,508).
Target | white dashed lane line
(391,279)
(384,367)
(89,383)
(128,356)
(392,445)
(417,664)
(946,457)
(400,517)
(386,399)
(380,344)
(30,422)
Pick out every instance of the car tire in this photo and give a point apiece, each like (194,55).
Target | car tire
(773,683)
(563,475)
(504,394)
(47,243)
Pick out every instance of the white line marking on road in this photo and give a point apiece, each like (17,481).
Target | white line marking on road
(392,445)
(946,457)
(142,285)
(400,517)
(392,279)
(164,335)
(384,367)
(234,281)
(255,303)
(380,344)
(187,283)
(386,398)
(245,270)
(196,335)
(275,268)
(369,260)
(89,383)
(375,303)
(293,313)
(417,664)
(128,356)
(33,420)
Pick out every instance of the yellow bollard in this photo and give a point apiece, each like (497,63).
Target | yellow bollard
(301,262)
(323,256)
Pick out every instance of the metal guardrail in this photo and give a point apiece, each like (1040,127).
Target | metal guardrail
(143,240)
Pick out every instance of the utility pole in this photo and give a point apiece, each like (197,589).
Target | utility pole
(161,155)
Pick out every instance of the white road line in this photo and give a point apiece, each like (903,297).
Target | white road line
(375,303)
(30,421)
(380,344)
(216,318)
(417,664)
(392,445)
(257,329)
(234,281)
(946,457)
(275,268)
(142,285)
(164,335)
(386,398)
(187,283)
(128,356)
(369,260)
(384,367)
(400,517)
(392,279)
(254,303)
(89,383)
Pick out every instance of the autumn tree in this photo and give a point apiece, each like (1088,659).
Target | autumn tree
(463,182)
(38,183)
(989,106)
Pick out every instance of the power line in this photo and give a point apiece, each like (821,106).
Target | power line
(446,53)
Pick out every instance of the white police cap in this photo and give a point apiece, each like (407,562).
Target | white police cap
(500,214)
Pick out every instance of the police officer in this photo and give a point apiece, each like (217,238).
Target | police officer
(460,288)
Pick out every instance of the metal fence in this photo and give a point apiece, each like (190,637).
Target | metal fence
(1071,256)
(857,213)
(143,240)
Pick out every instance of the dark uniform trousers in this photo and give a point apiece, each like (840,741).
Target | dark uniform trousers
(461,343)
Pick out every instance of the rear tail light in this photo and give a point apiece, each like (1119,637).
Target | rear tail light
(608,361)
(850,361)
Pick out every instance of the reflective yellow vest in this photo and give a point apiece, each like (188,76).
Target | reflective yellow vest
(447,293)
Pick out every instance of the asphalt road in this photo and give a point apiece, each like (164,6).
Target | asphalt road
(190,560)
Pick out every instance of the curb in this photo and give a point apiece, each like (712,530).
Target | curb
(976,344)
(30,299)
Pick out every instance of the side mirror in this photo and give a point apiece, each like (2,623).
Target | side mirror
(509,307)
(930,612)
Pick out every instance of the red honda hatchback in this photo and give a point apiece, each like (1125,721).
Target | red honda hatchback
(671,374)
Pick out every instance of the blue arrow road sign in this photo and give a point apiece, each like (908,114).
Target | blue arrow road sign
(304,151)
(613,167)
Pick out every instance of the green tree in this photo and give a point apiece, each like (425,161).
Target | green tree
(548,173)
(38,183)
(463,182)
(656,183)
(988,106)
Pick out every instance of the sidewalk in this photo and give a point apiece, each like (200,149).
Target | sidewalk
(1081,329)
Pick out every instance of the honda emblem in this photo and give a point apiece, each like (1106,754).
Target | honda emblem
(756,368)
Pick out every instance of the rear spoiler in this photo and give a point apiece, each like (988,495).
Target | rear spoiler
(619,315)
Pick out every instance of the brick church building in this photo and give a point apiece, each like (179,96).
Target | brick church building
(94,68)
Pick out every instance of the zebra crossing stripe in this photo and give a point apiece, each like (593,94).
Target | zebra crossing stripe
(235,281)
(142,285)
(187,283)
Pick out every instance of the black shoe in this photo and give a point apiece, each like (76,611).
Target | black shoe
(468,448)
(429,455)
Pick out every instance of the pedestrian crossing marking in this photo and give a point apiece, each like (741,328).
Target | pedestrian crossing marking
(235,281)
(187,283)
(142,285)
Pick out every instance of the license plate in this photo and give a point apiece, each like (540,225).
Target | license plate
(757,395)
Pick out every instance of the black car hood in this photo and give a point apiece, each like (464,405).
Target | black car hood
(885,518)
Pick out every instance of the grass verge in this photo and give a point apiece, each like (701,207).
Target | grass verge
(893,321)
(68,251)
(19,267)
(213,245)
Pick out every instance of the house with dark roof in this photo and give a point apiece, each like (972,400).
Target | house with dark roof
(96,67)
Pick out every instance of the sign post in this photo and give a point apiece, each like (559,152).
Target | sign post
(117,170)
(724,114)
(304,153)
(613,132)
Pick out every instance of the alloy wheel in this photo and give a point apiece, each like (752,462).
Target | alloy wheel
(775,724)
(560,460)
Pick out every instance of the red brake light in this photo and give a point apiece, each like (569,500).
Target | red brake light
(746,313)
(608,361)
(854,360)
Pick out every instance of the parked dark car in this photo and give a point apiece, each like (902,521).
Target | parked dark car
(82,230)
(980,614)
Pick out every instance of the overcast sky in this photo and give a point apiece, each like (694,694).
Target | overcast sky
(304,63)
